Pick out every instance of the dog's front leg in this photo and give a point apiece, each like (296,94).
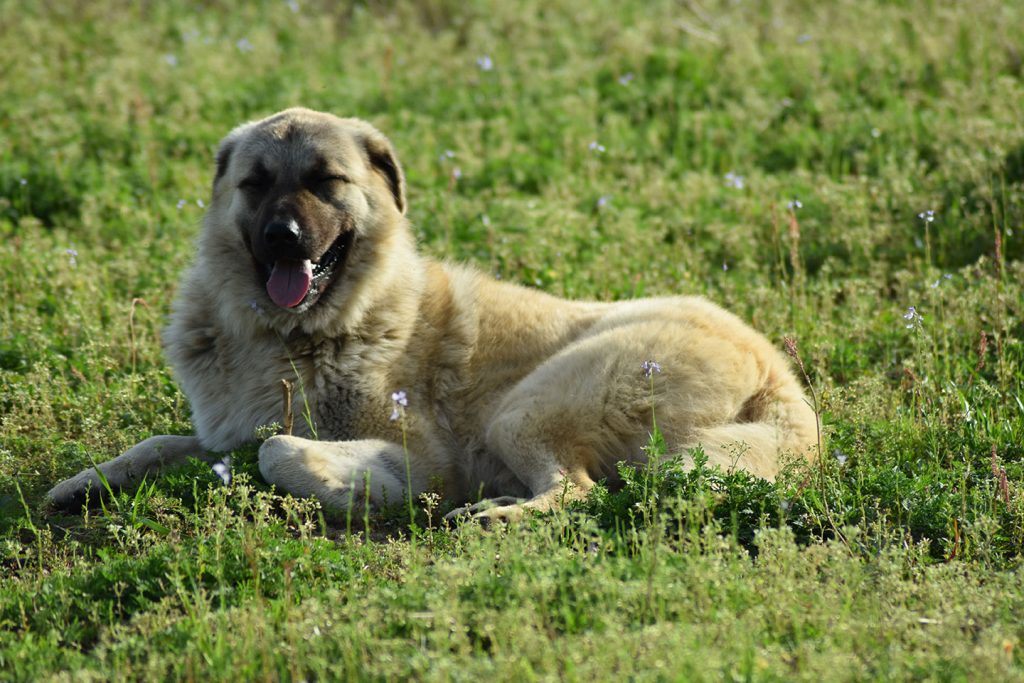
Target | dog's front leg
(339,473)
(142,460)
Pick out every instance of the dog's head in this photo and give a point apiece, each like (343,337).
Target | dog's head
(302,188)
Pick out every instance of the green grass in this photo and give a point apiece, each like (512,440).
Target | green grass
(899,557)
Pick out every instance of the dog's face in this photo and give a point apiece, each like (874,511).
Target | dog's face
(302,188)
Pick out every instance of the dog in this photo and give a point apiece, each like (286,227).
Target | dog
(416,375)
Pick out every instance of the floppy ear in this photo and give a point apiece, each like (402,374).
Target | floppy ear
(223,158)
(227,148)
(382,157)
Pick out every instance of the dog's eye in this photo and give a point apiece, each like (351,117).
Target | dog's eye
(255,182)
(327,186)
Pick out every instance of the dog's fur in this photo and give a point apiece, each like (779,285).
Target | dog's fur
(512,394)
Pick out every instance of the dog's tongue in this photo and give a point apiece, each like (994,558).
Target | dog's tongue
(289,282)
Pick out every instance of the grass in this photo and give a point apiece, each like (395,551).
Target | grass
(899,557)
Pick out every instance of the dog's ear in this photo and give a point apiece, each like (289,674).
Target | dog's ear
(227,148)
(223,158)
(383,158)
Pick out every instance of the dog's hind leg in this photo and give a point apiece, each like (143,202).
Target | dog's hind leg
(145,459)
(339,473)
(555,444)
(556,471)
(565,425)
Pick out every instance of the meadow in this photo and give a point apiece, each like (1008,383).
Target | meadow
(847,175)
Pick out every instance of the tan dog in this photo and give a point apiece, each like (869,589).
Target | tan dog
(307,270)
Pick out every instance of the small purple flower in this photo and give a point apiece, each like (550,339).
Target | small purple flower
(293,5)
(927,216)
(795,204)
(244,45)
(22,182)
(839,456)
(725,266)
(913,318)
(626,78)
(445,155)
(603,201)
(181,204)
(803,38)
(596,146)
(735,180)
(456,173)
(401,402)
(72,256)
(222,469)
(650,367)
(485,63)
(171,60)
(938,282)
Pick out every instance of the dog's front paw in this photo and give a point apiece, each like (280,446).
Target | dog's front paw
(73,493)
(503,514)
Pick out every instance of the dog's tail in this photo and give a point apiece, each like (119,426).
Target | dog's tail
(775,423)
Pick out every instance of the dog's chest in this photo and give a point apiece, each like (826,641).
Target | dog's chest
(235,385)
(337,385)
(337,411)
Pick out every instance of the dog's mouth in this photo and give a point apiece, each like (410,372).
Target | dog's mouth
(297,284)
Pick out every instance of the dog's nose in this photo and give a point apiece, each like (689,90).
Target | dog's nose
(281,233)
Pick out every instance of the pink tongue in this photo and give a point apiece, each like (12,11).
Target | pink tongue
(289,282)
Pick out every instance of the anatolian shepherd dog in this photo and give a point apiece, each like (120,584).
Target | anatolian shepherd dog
(307,270)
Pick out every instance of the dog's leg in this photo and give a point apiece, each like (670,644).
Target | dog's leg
(145,459)
(337,472)
(535,442)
